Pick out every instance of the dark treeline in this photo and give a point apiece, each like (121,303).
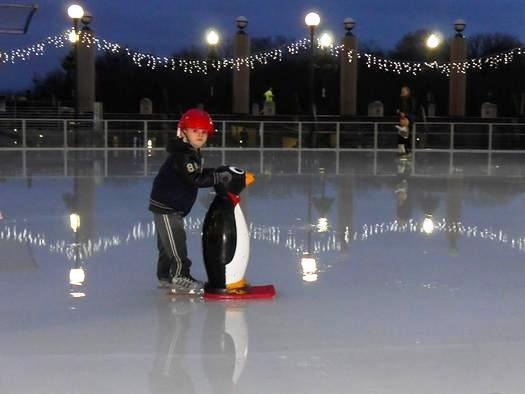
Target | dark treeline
(120,84)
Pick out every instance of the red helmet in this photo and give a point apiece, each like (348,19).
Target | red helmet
(196,119)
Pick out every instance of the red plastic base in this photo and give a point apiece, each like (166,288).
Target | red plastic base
(259,291)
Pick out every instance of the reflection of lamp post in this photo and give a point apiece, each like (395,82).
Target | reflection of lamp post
(429,202)
(323,205)
(309,268)
(308,260)
(428,224)
(75,12)
(74,221)
(212,39)
(312,20)
(77,274)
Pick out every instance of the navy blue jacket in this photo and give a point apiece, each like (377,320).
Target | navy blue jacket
(176,184)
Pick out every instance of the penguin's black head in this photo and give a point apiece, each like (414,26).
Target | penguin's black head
(233,180)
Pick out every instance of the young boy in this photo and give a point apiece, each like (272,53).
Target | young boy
(173,195)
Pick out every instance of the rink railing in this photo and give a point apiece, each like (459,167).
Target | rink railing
(153,134)
(28,144)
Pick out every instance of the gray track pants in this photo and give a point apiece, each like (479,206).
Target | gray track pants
(171,242)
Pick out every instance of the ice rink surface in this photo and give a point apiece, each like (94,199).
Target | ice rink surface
(417,283)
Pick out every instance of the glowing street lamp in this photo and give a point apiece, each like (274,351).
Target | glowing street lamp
(434,40)
(312,19)
(212,38)
(326,40)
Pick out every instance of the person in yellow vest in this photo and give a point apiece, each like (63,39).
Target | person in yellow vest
(268,96)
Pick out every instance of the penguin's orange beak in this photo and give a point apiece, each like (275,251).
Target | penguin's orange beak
(249,178)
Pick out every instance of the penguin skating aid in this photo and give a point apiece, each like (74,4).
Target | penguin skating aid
(226,242)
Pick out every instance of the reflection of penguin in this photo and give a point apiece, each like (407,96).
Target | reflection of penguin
(225,236)
(225,339)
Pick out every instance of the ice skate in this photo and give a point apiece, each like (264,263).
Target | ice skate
(186,285)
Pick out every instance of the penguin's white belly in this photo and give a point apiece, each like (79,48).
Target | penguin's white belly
(236,268)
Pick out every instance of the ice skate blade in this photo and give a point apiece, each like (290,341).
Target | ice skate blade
(174,292)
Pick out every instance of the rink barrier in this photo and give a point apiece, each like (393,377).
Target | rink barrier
(144,140)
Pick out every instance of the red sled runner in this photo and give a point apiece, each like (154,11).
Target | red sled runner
(250,292)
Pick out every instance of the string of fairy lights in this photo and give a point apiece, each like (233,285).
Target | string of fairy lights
(292,239)
(203,66)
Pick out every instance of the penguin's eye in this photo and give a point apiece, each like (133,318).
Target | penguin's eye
(236,170)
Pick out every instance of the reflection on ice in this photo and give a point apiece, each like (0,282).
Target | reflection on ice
(309,268)
(294,238)
(77,276)
(373,261)
(428,224)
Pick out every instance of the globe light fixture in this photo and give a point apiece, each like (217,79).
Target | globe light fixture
(434,40)
(326,40)
(459,25)
(241,22)
(349,24)
(72,36)
(312,19)
(75,11)
(212,37)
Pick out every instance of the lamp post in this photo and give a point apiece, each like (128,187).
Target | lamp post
(75,12)
(86,66)
(212,39)
(457,79)
(241,76)
(326,41)
(432,42)
(312,20)
(348,71)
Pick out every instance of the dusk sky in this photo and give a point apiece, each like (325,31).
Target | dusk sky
(164,26)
